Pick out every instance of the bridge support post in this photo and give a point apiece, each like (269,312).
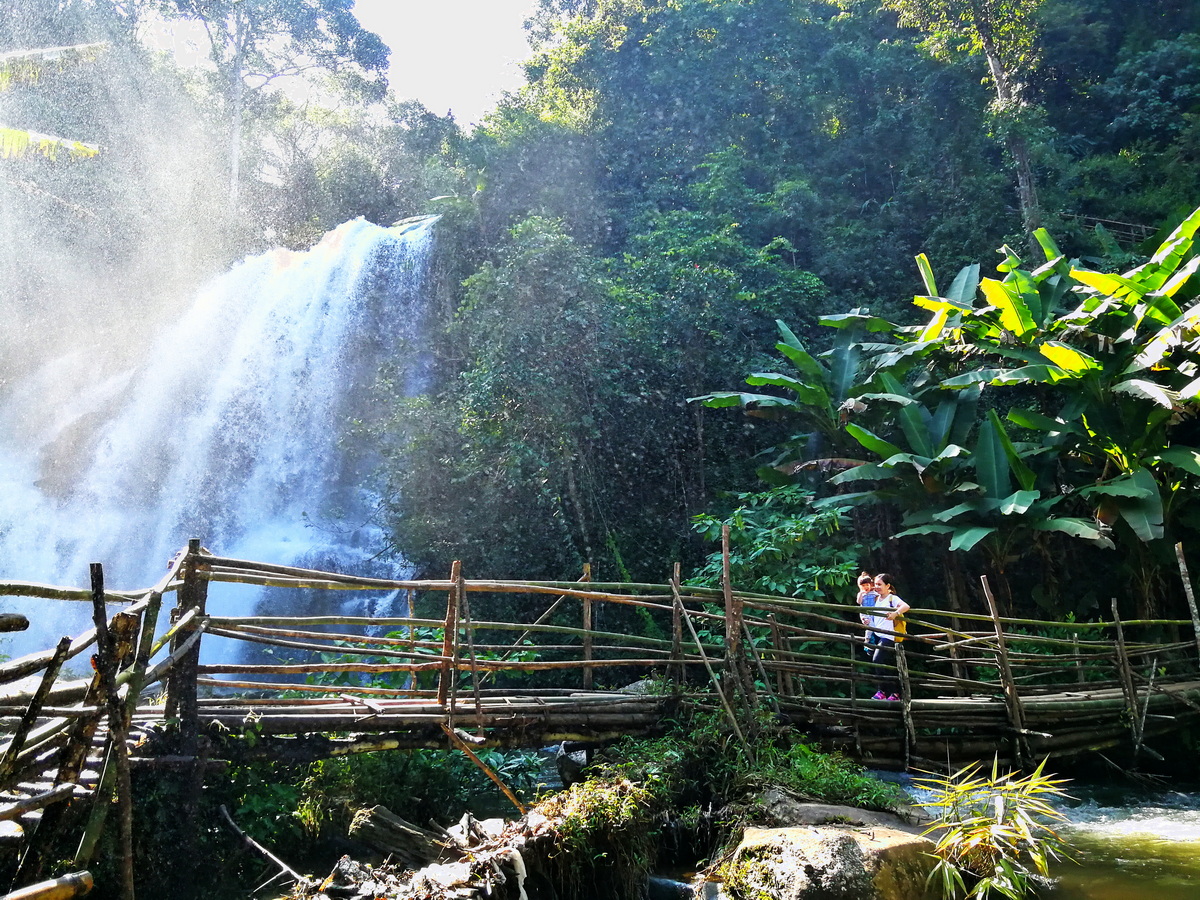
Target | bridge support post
(448,672)
(1191,597)
(677,668)
(1012,699)
(588,671)
(181,689)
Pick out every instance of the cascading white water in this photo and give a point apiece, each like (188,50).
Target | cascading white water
(231,431)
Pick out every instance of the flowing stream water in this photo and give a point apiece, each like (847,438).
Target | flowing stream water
(232,430)
(1131,845)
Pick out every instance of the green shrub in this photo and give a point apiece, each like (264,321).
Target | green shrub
(994,836)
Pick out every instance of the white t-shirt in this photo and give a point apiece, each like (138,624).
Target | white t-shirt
(883,623)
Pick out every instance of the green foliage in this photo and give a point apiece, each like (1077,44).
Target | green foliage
(701,761)
(417,784)
(605,835)
(994,833)
(779,544)
(1097,375)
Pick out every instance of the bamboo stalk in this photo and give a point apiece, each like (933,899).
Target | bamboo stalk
(587,632)
(32,711)
(449,637)
(64,887)
(1011,696)
(462,745)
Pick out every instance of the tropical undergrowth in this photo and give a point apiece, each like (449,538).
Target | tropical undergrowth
(702,777)
(995,832)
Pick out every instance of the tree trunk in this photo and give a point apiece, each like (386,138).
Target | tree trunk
(237,110)
(1017,146)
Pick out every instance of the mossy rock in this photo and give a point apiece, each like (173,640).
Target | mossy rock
(832,862)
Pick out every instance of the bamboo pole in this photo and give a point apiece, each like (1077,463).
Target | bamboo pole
(62,888)
(449,638)
(1126,672)
(1191,597)
(38,801)
(910,731)
(677,669)
(1011,696)
(435,664)
(465,606)
(1141,732)
(110,648)
(762,672)
(733,634)
(32,711)
(854,698)
(284,867)
(23,667)
(238,629)
(716,682)
(483,767)
(783,686)
(587,631)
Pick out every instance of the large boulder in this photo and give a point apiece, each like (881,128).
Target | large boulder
(830,862)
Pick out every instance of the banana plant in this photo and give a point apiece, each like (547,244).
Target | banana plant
(1115,360)
(819,397)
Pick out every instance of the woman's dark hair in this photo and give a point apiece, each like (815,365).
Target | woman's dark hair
(886,579)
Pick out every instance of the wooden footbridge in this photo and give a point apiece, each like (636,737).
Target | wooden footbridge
(194,691)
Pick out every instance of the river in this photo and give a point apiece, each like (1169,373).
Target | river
(1131,845)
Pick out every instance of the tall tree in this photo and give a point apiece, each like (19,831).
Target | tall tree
(254,42)
(1005,33)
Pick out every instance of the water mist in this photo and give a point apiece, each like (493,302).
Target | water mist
(232,429)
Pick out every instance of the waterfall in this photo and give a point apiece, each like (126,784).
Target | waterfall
(232,429)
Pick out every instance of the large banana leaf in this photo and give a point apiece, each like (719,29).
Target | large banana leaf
(1024,475)
(1015,315)
(872,441)
(1027,418)
(1143,513)
(807,394)
(909,415)
(17,142)
(1186,458)
(991,462)
(1085,529)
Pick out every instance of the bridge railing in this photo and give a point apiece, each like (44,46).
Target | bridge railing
(804,660)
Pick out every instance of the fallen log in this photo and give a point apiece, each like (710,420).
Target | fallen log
(382,829)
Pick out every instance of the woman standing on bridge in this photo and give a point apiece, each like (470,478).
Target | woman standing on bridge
(866,599)
(885,649)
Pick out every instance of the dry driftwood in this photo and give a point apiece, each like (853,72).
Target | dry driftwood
(382,829)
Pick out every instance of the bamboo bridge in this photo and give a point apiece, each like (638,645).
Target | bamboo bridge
(300,688)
